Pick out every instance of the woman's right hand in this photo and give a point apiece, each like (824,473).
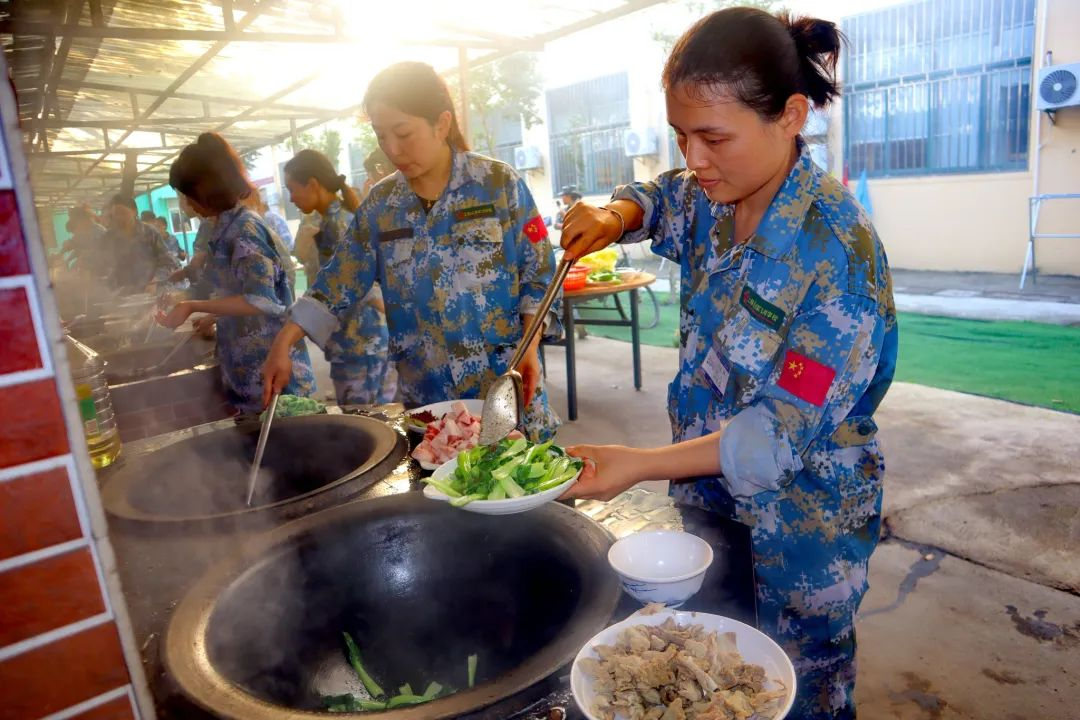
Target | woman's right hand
(587,228)
(276,372)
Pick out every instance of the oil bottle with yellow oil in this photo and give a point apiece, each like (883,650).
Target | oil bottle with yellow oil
(95,404)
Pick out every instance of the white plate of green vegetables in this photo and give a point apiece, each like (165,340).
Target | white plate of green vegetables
(510,476)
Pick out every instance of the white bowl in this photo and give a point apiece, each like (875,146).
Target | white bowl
(755,647)
(508,506)
(475,408)
(661,566)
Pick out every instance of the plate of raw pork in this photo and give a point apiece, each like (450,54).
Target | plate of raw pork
(456,427)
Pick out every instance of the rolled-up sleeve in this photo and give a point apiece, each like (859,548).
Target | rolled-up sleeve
(536,258)
(342,282)
(257,277)
(826,364)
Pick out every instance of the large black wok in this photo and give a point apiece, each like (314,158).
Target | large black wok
(419,585)
(310,463)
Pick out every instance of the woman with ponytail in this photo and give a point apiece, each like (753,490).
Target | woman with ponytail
(458,247)
(788,333)
(358,349)
(246,269)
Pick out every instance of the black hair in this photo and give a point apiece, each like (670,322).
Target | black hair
(416,89)
(308,164)
(761,59)
(210,172)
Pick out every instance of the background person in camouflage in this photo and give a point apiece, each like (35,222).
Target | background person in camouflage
(788,333)
(138,256)
(458,246)
(358,351)
(250,288)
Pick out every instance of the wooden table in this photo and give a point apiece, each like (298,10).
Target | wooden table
(632,282)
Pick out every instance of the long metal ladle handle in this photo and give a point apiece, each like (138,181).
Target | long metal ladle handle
(264,433)
(541,312)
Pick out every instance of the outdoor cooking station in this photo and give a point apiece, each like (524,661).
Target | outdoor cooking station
(165,546)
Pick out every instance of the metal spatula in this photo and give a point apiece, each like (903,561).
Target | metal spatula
(505,399)
(253,476)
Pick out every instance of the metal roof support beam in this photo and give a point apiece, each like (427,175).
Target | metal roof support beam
(158,121)
(56,69)
(48,49)
(284,92)
(183,77)
(97,18)
(99,151)
(196,97)
(19,27)
(227,15)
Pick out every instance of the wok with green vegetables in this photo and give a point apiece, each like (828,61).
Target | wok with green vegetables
(379,699)
(506,469)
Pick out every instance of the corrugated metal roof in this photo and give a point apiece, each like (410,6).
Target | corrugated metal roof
(98,78)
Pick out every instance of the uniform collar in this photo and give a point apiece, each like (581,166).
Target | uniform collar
(783,220)
(461,173)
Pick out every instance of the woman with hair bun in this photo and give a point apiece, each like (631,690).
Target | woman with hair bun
(245,268)
(358,351)
(788,333)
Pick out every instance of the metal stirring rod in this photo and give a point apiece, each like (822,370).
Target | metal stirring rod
(261,447)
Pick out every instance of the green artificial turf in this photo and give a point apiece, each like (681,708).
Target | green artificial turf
(1024,362)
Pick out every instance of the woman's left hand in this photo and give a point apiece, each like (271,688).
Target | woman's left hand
(530,372)
(175,317)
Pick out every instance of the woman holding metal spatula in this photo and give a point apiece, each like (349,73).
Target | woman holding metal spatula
(456,243)
(788,333)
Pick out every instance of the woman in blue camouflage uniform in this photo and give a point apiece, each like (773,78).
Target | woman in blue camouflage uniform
(250,287)
(788,333)
(458,247)
(358,351)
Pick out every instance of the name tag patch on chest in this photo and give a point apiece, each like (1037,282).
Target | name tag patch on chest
(716,372)
(474,213)
(806,379)
(761,309)
(397,234)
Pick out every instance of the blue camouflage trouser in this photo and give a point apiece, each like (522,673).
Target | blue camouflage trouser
(812,543)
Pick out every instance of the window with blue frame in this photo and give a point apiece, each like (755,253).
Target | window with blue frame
(587,123)
(939,86)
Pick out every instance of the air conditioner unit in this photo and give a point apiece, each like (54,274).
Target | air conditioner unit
(1058,87)
(528,158)
(640,142)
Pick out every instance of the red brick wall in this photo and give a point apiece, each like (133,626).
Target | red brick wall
(60,648)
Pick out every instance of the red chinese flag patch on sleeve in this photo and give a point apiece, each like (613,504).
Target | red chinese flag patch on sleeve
(535,229)
(806,379)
